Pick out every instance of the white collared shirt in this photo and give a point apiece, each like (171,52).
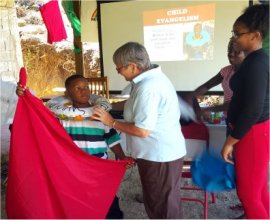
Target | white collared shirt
(153,105)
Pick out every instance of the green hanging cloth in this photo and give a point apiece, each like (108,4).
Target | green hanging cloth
(72,17)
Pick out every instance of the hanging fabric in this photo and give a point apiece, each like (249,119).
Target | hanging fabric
(53,21)
(72,17)
(75,23)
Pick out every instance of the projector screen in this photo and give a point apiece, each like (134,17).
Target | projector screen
(188,39)
(179,34)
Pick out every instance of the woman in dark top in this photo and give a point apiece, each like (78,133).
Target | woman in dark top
(248,114)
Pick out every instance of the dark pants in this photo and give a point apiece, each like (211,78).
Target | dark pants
(115,211)
(161,188)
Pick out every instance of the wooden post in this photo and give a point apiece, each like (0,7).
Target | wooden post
(78,42)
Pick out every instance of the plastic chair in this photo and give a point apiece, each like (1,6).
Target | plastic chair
(99,86)
(197,140)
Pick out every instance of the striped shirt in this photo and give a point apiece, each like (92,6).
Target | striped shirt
(227,72)
(92,137)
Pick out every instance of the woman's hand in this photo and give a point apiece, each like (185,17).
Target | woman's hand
(227,153)
(227,150)
(101,115)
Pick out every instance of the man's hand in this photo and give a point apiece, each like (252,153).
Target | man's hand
(20,89)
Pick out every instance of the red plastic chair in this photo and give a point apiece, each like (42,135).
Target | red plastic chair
(196,132)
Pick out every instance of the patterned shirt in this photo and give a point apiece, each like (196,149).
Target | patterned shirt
(227,72)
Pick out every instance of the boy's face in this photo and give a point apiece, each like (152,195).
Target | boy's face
(79,93)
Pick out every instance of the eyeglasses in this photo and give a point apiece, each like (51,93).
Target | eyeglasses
(118,69)
(236,35)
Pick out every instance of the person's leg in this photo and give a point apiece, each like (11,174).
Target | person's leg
(251,163)
(265,190)
(161,188)
(115,211)
(265,198)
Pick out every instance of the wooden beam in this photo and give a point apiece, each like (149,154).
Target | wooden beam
(77,41)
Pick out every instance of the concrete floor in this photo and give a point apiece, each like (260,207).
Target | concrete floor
(132,209)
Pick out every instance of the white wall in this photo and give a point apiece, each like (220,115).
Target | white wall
(89,27)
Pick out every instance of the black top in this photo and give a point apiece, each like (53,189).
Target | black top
(250,101)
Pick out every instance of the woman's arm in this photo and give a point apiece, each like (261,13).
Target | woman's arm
(202,89)
(130,128)
(126,127)
(216,108)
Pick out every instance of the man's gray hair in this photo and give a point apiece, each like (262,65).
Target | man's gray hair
(132,52)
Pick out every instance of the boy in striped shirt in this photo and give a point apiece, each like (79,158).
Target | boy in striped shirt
(92,136)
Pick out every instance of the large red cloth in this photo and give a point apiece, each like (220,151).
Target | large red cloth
(53,21)
(49,176)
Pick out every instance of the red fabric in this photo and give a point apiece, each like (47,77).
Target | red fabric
(49,176)
(195,131)
(23,76)
(53,21)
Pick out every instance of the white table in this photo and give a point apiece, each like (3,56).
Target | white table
(217,133)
